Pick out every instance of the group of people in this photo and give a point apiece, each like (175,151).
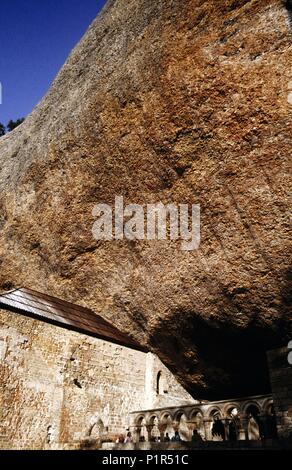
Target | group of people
(219,430)
(175,438)
(196,437)
(125,440)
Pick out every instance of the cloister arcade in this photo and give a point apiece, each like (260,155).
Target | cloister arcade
(241,419)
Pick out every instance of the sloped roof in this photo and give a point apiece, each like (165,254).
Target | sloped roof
(65,314)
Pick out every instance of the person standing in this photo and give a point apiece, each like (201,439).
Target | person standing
(176,437)
(129,438)
(166,437)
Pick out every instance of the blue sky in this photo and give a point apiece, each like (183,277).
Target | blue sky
(36,37)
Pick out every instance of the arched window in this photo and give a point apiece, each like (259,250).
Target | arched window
(159,383)
(96,429)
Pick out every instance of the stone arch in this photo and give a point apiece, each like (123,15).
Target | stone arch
(153,426)
(194,411)
(214,411)
(141,428)
(166,425)
(153,417)
(227,409)
(269,420)
(158,382)
(96,429)
(252,413)
(232,421)
(196,417)
(215,414)
(268,407)
(178,413)
(161,383)
(164,413)
(181,424)
(139,418)
(247,405)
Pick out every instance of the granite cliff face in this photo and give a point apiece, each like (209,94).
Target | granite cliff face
(173,101)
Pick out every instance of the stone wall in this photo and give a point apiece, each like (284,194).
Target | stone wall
(59,388)
(281,384)
(162,387)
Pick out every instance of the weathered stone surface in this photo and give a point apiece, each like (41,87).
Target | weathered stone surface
(59,389)
(184,101)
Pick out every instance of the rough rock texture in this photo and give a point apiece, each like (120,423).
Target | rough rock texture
(184,101)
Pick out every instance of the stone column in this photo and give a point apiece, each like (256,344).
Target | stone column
(226,421)
(162,427)
(191,426)
(242,429)
(137,433)
(245,422)
(207,428)
(149,429)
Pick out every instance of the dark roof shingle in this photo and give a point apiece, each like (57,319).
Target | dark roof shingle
(65,314)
